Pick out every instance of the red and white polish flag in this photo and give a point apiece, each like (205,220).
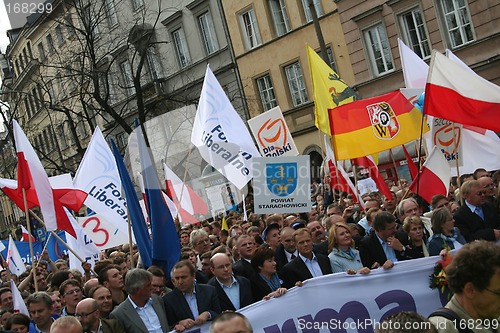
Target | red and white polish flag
(434,176)
(455,93)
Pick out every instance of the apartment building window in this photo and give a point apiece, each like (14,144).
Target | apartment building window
(70,27)
(59,35)
(30,53)
(81,129)
(40,93)
(413,27)
(50,44)
(25,55)
(63,143)
(41,51)
(27,108)
(127,77)
(458,24)
(21,61)
(331,59)
(111,12)
(153,64)
(42,146)
(90,21)
(266,92)
(251,34)
(379,50)
(107,88)
(280,16)
(181,47)
(136,4)
(307,11)
(296,84)
(208,33)
(34,92)
(47,139)
(61,91)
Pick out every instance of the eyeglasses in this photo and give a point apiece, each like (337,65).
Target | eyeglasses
(84,315)
(493,292)
(71,292)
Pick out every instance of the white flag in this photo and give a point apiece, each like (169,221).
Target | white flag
(19,305)
(98,175)
(14,261)
(83,245)
(221,135)
(414,69)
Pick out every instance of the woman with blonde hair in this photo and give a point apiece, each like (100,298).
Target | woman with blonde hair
(414,243)
(343,256)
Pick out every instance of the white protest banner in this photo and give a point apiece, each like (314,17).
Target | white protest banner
(281,184)
(104,234)
(82,245)
(220,134)
(352,303)
(272,134)
(98,175)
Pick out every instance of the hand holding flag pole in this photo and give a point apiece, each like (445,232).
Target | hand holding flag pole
(30,240)
(60,240)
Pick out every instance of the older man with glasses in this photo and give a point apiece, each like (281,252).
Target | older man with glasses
(477,219)
(88,313)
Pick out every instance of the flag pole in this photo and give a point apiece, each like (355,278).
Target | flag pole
(395,167)
(44,248)
(245,216)
(61,240)
(131,248)
(184,179)
(28,226)
(72,251)
(455,151)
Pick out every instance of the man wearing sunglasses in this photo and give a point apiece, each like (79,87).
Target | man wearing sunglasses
(476,218)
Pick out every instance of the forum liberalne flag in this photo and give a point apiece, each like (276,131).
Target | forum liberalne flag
(221,136)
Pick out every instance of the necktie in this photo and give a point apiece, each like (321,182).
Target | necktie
(479,212)
(293,256)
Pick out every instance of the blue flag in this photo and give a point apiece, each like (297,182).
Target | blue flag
(134,211)
(166,244)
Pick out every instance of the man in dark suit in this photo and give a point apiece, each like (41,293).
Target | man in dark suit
(141,303)
(234,291)
(381,248)
(189,304)
(307,265)
(245,245)
(286,251)
(88,313)
(476,218)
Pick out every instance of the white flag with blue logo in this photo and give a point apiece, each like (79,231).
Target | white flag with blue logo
(221,135)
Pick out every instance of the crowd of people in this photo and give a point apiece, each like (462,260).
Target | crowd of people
(225,269)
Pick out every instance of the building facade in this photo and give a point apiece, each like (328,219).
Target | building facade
(104,63)
(269,40)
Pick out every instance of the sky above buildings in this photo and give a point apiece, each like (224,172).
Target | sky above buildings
(4,26)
